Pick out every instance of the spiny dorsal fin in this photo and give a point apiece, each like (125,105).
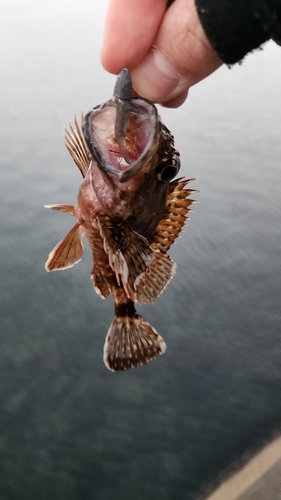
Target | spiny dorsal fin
(67,252)
(77,147)
(153,283)
(131,342)
(174,216)
(129,254)
(68,209)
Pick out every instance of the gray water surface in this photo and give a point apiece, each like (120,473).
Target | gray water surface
(70,429)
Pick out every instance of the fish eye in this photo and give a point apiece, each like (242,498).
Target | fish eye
(169,171)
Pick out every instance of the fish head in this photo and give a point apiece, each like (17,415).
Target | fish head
(133,153)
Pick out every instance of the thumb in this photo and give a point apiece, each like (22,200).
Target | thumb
(180,56)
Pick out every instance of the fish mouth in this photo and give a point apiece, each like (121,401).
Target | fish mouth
(121,132)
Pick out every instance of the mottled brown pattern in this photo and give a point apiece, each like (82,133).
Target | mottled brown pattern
(130,213)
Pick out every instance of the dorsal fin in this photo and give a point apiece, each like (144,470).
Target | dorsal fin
(157,277)
(174,216)
(150,285)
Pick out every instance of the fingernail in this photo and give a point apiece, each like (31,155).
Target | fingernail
(154,78)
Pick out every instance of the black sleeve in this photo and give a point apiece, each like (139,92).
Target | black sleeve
(236,27)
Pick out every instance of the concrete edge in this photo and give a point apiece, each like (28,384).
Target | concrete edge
(257,466)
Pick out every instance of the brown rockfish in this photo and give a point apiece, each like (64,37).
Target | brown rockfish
(130,212)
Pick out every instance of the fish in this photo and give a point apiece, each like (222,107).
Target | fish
(131,211)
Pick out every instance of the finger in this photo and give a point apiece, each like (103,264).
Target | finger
(176,101)
(130,29)
(180,56)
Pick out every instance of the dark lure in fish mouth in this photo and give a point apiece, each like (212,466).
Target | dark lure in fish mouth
(120,132)
(123,92)
(130,212)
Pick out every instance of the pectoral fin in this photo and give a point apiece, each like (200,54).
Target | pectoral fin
(68,209)
(129,255)
(77,147)
(67,252)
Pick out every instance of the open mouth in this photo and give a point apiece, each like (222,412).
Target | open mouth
(119,152)
(116,157)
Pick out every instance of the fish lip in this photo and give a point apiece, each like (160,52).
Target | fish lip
(133,170)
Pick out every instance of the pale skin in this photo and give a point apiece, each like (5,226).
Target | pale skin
(166,51)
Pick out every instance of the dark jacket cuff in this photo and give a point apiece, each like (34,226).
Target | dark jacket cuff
(236,27)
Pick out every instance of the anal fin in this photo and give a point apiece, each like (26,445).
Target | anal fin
(100,283)
(68,252)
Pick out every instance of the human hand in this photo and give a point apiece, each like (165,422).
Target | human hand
(166,51)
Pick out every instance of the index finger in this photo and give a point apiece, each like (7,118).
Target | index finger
(130,29)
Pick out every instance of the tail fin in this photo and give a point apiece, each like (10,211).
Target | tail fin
(131,342)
